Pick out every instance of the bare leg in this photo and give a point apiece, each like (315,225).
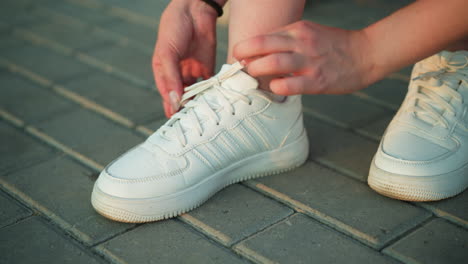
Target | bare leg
(249,18)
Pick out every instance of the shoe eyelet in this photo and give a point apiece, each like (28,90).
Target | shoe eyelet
(217,123)
(233,113)
(250,103)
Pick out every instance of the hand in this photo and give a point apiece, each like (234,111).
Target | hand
(185,49)
(307,58)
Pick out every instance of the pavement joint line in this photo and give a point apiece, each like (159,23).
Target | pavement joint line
(69,151)
(251,255)
(80,56)
(118,38)
(406,233)
(342,170)
(376,101)
(206,229)
(18,221)
(12,119)
(24,198)
(108,255)
(125,14)
(445,215)
(86,103)
(91,164)
(70,95)
(315,214)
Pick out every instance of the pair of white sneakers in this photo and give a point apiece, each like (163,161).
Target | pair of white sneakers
(231,131)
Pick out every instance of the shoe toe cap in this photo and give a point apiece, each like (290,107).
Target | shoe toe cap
(407,146)
(141,173)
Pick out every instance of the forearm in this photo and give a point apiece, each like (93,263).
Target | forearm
(413,33)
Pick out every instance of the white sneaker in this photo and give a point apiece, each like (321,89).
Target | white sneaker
(423,155)
(231,131)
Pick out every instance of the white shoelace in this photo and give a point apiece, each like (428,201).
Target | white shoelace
(200,109)
(432,87)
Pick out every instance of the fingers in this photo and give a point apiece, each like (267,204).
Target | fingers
(262,45)
(276,64)
(168,78)
(298,85)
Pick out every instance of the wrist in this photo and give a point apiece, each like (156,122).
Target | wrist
(370,70)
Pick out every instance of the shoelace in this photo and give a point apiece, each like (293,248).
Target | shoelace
(432,84)
(202,106)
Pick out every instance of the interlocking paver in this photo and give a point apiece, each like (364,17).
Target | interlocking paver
(300,239)
(33,241)
(138,104)
(239,212)
(436,242)
(156,124)
(18,150)
(367,215)
(10,210)
(90,134)
(78,12)
(347,109)
(454,209)
(28,101)
(165,242)
(388,90)
(139,33)
(61,189)
(19,12)
(145,8)
(43,61)
(377,128)
(127,59)
(340,148)
(71,34)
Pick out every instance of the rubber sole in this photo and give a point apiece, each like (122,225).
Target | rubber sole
(272,162)
(418,188)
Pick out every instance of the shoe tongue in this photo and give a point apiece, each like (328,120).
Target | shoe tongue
(240,81)
(456,59)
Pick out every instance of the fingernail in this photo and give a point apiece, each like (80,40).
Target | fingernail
(174,100)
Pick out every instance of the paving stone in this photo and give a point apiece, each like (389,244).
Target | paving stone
(45,62)
(368,216)
(78,12)
(19,150)
(100,139)
(436,242)
(340,148)
(300,239)
(136,32)
(145,8)
(28,101)
(166,241)
(130,60)
(377,128)
(347,109)
(454,209)
(351,14)
(74,35)
(156,124)
(10,210)
(135,103)
(19,12)
(239,212)
(388,90)
(62,190)
(32,241)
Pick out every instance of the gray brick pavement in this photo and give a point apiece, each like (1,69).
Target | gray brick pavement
(96,137)
(346,204)
(18,150)
(239,212)
(60,189)
(99,52)
(300,239)
(436,242)
(36,104)
(10,210)
(166,242)
(34,241)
